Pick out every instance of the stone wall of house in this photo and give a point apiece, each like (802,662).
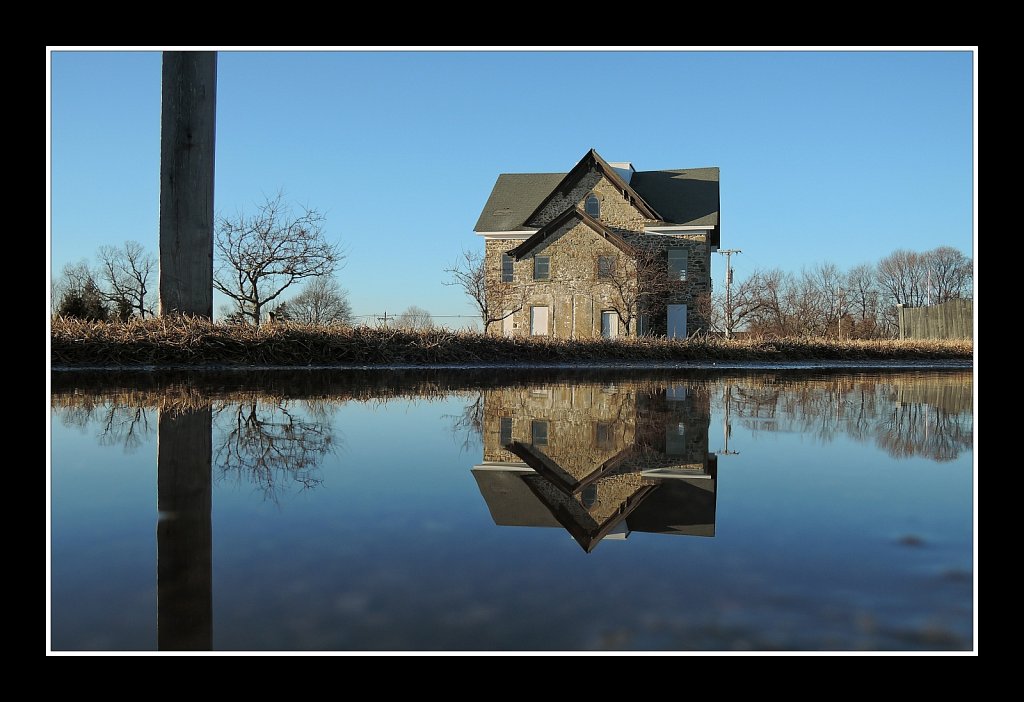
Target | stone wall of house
(589,424)
(616,210)
(698,277)
(573,414)
(573,295)
(682,412)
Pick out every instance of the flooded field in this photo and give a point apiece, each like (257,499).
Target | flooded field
(530,510)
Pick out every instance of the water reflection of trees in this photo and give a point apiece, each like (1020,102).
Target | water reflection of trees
(271,442)
(123,426)
(271,445)
(468,425)
(120,424)
(912,415)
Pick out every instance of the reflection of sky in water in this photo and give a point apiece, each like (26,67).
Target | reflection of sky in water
(823,540)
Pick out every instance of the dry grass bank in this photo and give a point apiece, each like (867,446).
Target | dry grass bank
(185,341)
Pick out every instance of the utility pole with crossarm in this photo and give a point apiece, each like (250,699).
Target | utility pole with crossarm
(728,289)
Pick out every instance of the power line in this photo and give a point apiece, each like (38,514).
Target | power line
(381,315)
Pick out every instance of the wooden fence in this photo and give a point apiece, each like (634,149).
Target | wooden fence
(950,320)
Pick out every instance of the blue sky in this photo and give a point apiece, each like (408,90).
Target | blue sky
(824,156)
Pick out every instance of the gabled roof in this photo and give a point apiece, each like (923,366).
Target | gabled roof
(513,198)
(687,196)
(684,196)
(592,160)
(541,235)
(543,465)
(562,509)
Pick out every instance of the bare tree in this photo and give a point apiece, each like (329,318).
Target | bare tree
(771,315)
(79,294)
(864,301)
(73,277)
(495,300)
(817,300)
(640,284)
(950,275)
(261,255)
(743,304)
(126,273)
(321,301)
(711,311)
(414,318)
(903,278)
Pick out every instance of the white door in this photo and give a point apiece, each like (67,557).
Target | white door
(506,324)
(539,321)
(609,324)
(676,321)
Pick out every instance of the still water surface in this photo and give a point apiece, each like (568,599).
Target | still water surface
(346,511)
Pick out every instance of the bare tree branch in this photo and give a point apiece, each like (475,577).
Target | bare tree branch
(261,255)
(126,272)
(495,300)
(414,318)
(321,302)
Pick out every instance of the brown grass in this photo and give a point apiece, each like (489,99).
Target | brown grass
(180,341)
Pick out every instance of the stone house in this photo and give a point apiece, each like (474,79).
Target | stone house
(600,461)
(601,251)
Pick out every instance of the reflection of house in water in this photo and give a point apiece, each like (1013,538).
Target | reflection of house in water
(599,461)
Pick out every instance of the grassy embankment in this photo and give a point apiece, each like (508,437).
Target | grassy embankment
(183,341)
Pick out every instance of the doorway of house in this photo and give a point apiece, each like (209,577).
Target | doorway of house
(539,321)
(676,322)
(609,324)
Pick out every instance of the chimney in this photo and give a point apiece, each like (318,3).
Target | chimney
(624,169)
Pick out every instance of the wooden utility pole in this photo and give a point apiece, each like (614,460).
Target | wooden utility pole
(728,289)
(187,129)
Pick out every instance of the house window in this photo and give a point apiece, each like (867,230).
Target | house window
(542,268)
(677,262)
(539,432)
(592,206)
(605,267)
(505,432)
(675,439)
(588,497)
(506,268)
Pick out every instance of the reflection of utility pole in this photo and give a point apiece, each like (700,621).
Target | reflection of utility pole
(184,534)
(728,289)
(726,423)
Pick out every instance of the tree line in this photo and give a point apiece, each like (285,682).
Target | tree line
(826,301)
(258,258)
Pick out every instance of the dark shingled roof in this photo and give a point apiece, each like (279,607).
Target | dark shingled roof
(514,197)
(682,196)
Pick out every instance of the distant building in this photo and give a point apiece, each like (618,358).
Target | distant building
(603,250)
(599,461)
